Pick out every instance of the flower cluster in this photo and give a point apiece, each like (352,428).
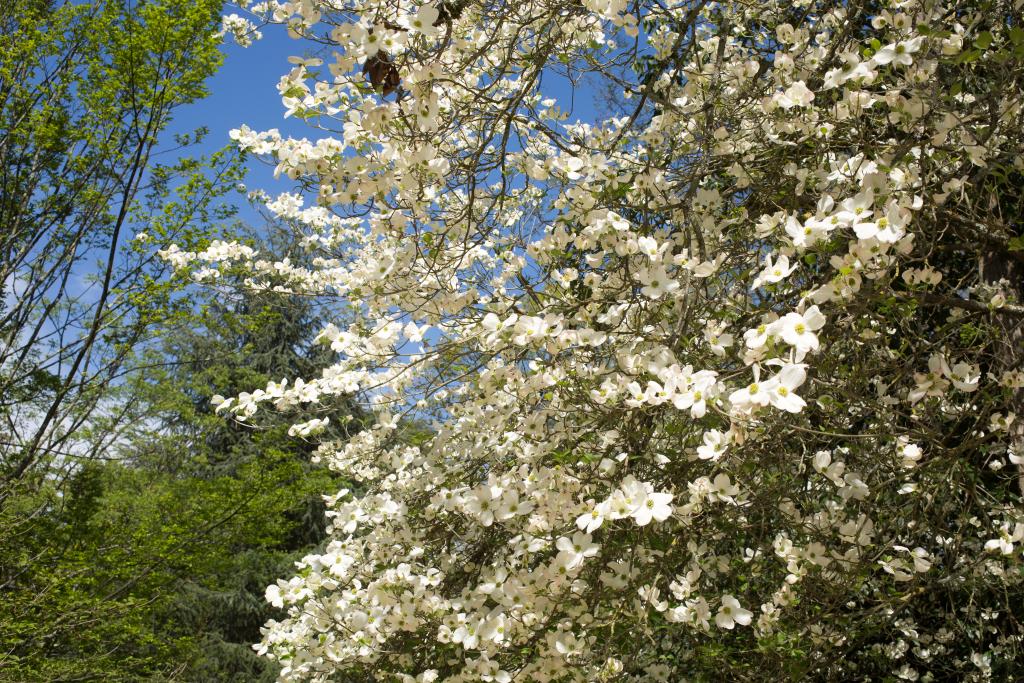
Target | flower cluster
(670,361)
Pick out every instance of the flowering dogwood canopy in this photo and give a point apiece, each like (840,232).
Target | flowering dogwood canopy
(615,486)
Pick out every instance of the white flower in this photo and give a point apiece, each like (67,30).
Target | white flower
(817,554)
(853,487)
(656,282)
(648,246)
(932,383)
(965,377)
(466,633)
(490,322)
(635,395)
(657,507)
(592,520)
(718,340)
(796,95)
(856,209)
(851,70)
(482,503)
(512,506)
(782,388)
(1000,423)
(695,612)
(752,396)
(907,673)
(715,445)
(494,628)
(757,337)
(693,391)
(423,21)
(731,613)
(804,235)
(1007,537)
(773,272)
(273,596)
(651,595)
(626,499)
(723,489)
(889,229)
(578,548)
(527,329)
(909,452)
(655,394)
(798,330)
(898,53)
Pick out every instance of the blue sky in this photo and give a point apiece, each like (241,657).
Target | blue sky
(244,91)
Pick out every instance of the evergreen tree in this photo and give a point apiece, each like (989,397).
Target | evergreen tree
(261,481)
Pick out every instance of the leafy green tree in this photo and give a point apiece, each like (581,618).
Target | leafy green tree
(87,91)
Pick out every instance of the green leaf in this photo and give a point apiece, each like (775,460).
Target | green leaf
(968,56)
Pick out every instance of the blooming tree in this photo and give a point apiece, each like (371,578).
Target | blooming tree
(723,384)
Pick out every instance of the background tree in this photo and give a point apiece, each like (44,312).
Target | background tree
(251,498)
(86,90)
(156,565)
(138,530)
